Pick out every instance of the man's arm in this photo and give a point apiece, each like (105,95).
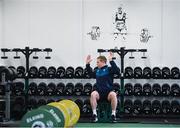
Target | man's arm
(88,67)
(114,69)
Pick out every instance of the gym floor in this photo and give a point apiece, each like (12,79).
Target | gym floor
(126,125)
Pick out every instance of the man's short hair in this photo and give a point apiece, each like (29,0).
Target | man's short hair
(102,58)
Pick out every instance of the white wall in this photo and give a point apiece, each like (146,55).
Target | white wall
(63,25)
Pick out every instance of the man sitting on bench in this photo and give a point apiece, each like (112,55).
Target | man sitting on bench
(104,80)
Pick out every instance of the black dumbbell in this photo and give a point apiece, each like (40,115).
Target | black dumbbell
(2,105)
(147,107)
(18,108)
(156,107)
(60,73)
(2,89)
(146,89)
(69,72)
(78,89)
(128,106)
(13,73)
(175,90)
(156,73)
(137,89)
(51,72)
(51,89)
(94,87)
(156,89)
(60,89)
(42,73)
(116,87)
(128,91)
(166,107)
(41,102)
(32,89)
(128,72)
(166,73)
(18,88)
(31,104)
(87,75)
(69,90)
(166,89)
(33,72)
(137,107)
(175,106)
(87,89)
(42,89)
(50,101)
(21,71)
(79,72)
(175,73)
(137,72)
(147,74)
(86,107)
(80,103)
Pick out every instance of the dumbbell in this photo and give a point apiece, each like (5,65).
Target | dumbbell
(128,91)
(42,89)
(166,89)
(60,73)
(78,89)
(147,107)
(137,107)
(175,73)
(116,75)
(87,89)
(156,73)
(166,73)
(31,104)
(137,89)
(156,89)
(32,89)
(51,72)
(69,72)
(2,89)
(128,106)
(51,89)
(86,107)
(41,102)
(137,72)
(56,114)
(79,72)
(128,72)
(147,89)
(147,74)
(18,108)
(166,107)
(9,72)
(21,71)
(18,88)
(175,106)
(87,75)
(60,89)
(116,88)
(33,72)
(2,105)
(80,103)
(175,90)
(69,90)
(156,107)
(42,73)
(94,87)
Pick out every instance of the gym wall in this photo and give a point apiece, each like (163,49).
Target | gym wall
(63,26)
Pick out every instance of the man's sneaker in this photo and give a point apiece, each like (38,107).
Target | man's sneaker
(94,118)
(113,118)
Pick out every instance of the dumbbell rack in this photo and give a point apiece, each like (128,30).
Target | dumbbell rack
(27,51)
(121,52)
